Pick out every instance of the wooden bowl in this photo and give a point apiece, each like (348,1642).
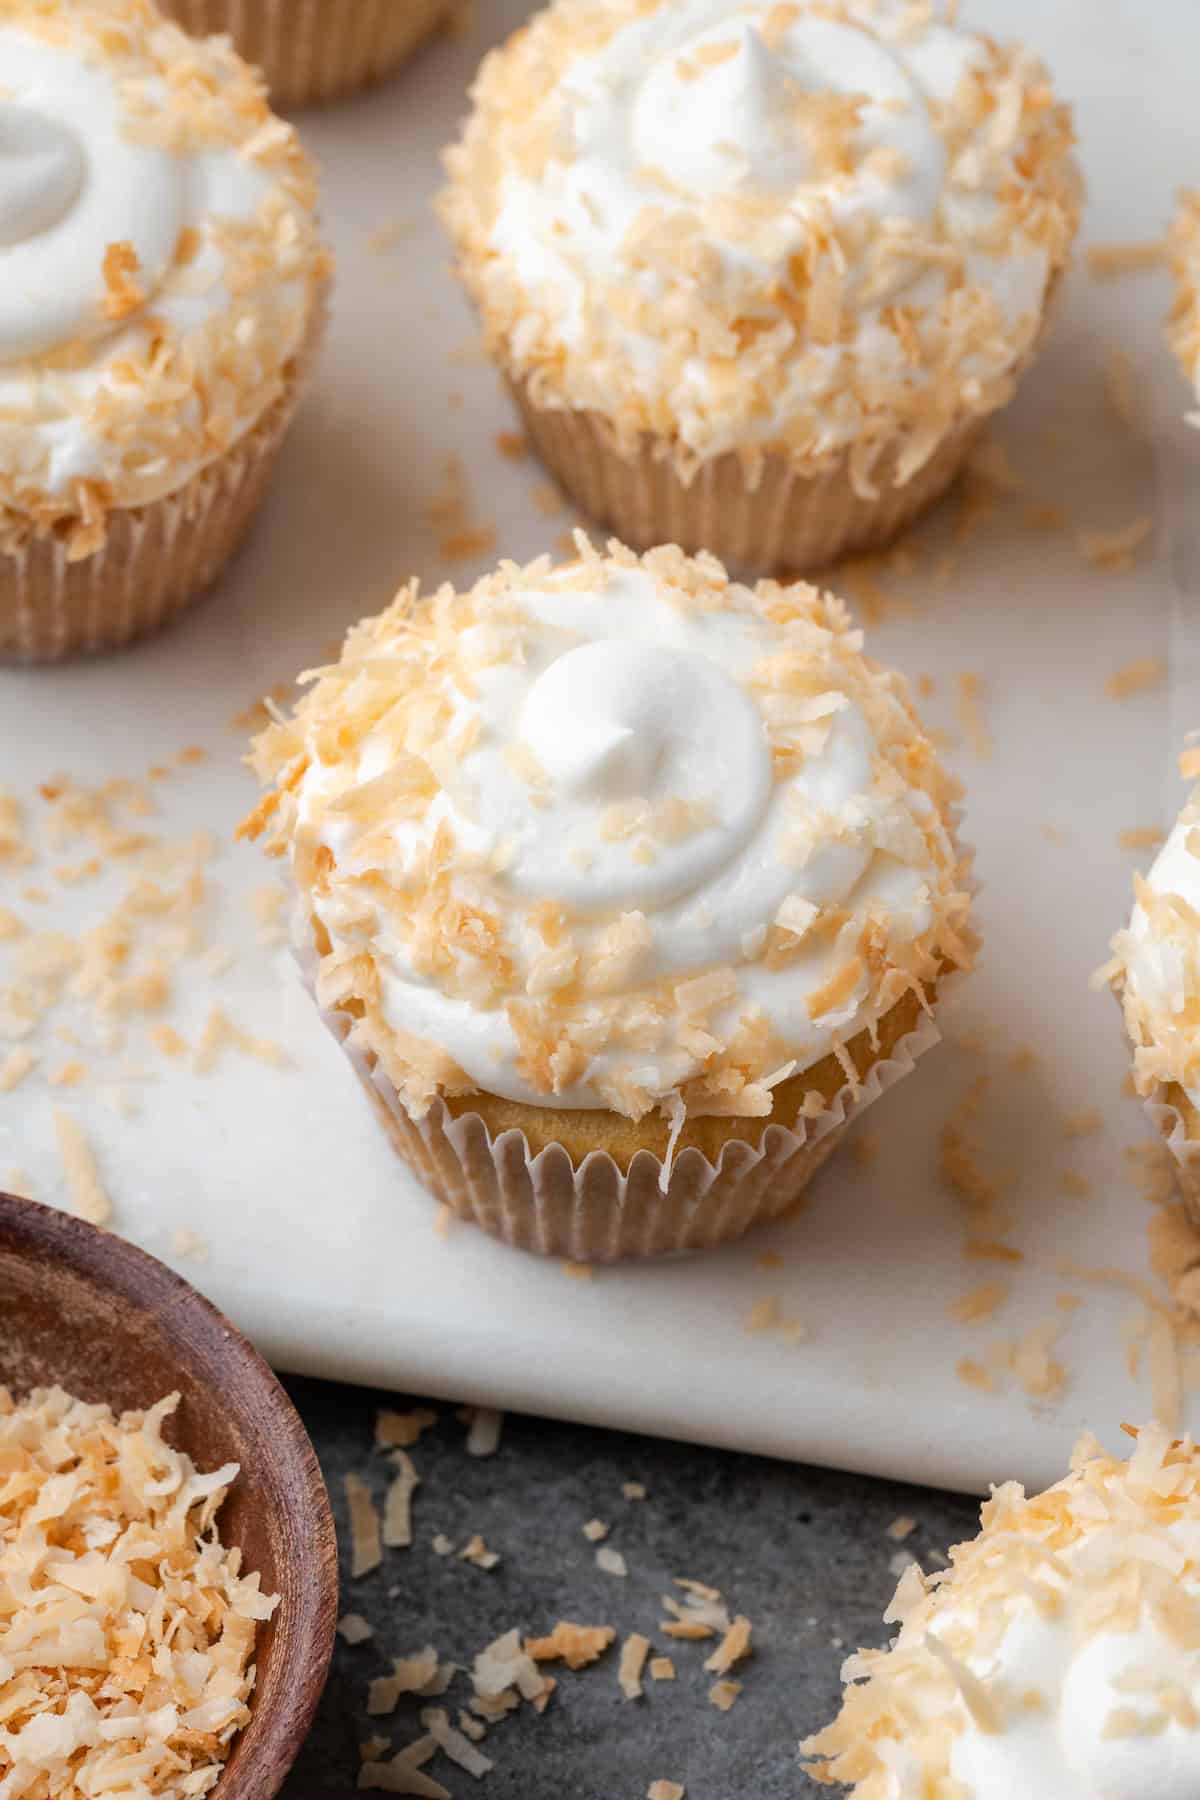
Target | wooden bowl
(109,1323)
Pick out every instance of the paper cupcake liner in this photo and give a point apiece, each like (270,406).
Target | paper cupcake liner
(787,522)
(155,559)
(591,1212)
(314,51)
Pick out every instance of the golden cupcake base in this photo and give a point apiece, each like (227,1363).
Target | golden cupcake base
(316,51)
(783,522)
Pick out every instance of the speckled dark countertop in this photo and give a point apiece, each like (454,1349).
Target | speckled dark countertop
(803,1553)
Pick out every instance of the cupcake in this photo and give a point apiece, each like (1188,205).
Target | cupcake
(161,293)
(1156,971)
(626,888)
(1058,1655)
(756,274)
(312,51)
(1184,326)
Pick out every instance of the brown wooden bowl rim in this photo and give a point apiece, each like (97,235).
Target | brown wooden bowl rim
(272,1740)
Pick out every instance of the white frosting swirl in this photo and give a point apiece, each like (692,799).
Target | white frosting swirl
(1161,953)
(695,779)
(718,206)
(1059,1659)
(131,206)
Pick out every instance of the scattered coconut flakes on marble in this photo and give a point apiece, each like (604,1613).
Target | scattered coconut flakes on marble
(722,1694)
(87,1195)
(366,1547)
(971,690)
(579,1271)
(454,1744)
(666,1790)
(483,1436)
(400,1431)
(595,1531)
(511,445)
(1135,677)
(633,1490)
(188,1243)
(634,1652)
(973,1374)
(900,1528)
(734,1646)
(1165,1378)
(1140,837)
(475,1551)
(662,1668)
(576,1645)
(397,1504)
(354,1629)
(762,1317)
(1120,390)
(1039,1373)
(1116,548)
(611,1561)
(981,1303)
(1106,260)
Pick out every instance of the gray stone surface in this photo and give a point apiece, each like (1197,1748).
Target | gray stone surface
(804,1553)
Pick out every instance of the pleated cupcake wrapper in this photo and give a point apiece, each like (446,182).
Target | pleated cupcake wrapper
(593,1213)
(155,559)
(314,51)
(786,521)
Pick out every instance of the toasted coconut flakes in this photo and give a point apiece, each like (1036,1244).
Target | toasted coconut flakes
(472,1727)
(1105,260)
(414,1674)
(1165,1383)
(665,1790)
(576,1645)
(402,1776)
(15,1067)
(971,689)
(366,1549)
(86,1192)
(1115,549)
(400,1431)
(763,1316)
(1140,837)
(1144,672)
(1031,1362)
(633,1490)
(596,1530)
(397,1506)
(611,1561)
(354,1629)
(722,1694)
(455,1744)
(372,1748)
(476,1551)
(130,1634)
(441,1545)
(979,1304)
(483,1437)
(634,1652)
(185,1242)
(512,445)
(974,1375)
(901,1528)
(734,1646)
(662,1668)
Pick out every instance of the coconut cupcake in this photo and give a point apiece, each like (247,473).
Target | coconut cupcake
(1056,1656)
(756,273)
(313,51)
(161,289)
(1156,971)
(625,886)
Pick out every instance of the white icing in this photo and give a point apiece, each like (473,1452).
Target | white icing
(615,698)
(75,180)
(1155,965)
(734,147)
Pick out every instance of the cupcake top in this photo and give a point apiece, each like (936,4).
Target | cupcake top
(1056,1659)
(798,223)
(618,834)
(159,263)
(1156,963)
(1184,327)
